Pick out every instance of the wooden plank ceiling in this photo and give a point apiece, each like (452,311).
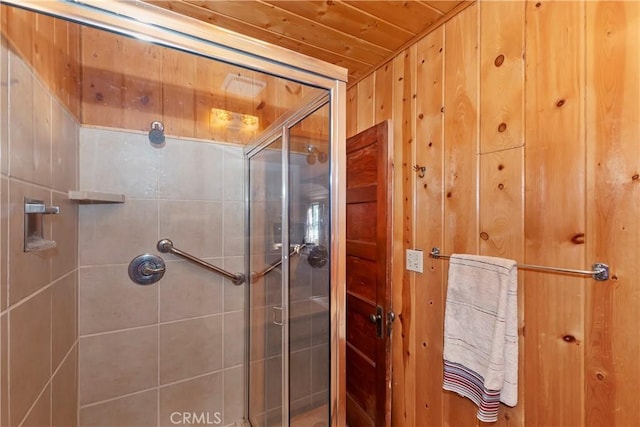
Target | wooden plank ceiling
(358,35)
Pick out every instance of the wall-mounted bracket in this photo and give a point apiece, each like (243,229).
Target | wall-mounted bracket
(420,170)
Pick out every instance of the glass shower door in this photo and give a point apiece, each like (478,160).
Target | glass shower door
(265,295)
(288,288)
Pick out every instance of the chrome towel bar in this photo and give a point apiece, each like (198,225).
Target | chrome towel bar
(166,246)
(600,271)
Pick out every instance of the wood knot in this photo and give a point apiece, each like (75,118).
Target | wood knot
(424,344)
(577,239)
(144,99)
(421,116)
(569,338)
(635,177)
(501,186)
(560,103)
(99,97)
(449,194)
(600,376)
(430,144)
(538,4)
(442,110)
(500,167)
(499,60)
(502,127)
(261,105)
(484,236)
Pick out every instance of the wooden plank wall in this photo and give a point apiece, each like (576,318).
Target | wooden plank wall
(533,159)
(51,47)
(128,83)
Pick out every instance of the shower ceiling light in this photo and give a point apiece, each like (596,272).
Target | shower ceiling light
(244,87)
(231,120)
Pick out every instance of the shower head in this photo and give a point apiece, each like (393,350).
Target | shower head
(156,133)
(314,154)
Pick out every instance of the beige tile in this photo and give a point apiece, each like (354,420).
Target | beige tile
(191,170)
(114,364)
(64,140)
(190,347)
(64,315)
(195,227)
(31,270)
(4,372)
(234,295)
(4,107)
(114,234)
(234,396)
(118,162)
(203,395)
(273,383)
(300,383)
(64,393)
(40,415)
(320,368)
(233,226)
(257,395)
(109,300)
(187,290)
(29,127)
(21,130)
(300,325)
(138,410)
(4,241)
(41,122)
(64,230)
(233,173)
(29,352)
(234,334)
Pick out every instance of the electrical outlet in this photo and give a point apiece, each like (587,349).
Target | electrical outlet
(414,260)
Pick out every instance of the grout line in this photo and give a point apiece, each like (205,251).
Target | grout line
(47,384)
(133,328)
(39,291)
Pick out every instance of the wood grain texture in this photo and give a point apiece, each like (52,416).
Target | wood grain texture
(501,75)
(555,212)
(352,111)
(366,103)
(501,204)
(51,47)
(612,342)
(398,337)
(429,286)
(383,104)
(461,162)
(578,362)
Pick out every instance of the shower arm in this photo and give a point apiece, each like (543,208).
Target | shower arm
(166,246)
(295,251)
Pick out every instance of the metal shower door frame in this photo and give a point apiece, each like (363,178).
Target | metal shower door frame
(279,130)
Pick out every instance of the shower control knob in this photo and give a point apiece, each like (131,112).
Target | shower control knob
(146,269)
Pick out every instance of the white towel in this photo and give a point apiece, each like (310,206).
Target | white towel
(481,332)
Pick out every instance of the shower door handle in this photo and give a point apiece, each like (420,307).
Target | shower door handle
(277,316)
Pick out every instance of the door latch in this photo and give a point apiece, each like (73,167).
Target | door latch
(377,319)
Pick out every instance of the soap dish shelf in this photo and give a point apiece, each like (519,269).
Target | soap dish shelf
(34,213)
(95,197)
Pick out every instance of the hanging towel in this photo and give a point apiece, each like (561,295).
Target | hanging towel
(481,332)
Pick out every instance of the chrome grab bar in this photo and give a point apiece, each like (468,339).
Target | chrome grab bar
(166,246)
(295,251)
(599,272)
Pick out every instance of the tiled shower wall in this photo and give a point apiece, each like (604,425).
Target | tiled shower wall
(149,352)
(38,302)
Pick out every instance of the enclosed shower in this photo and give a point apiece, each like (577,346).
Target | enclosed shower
(192,271)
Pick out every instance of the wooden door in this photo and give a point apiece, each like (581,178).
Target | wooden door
(369,315)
